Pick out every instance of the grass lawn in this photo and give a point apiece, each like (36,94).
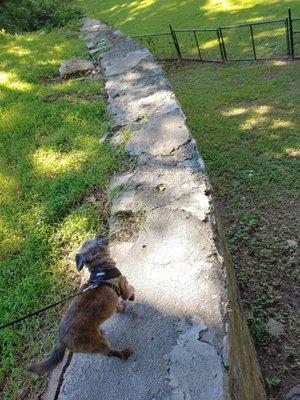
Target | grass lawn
(50,161)
(243,117)
(244,120)
(149,16)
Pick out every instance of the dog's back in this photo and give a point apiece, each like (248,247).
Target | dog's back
(84,315)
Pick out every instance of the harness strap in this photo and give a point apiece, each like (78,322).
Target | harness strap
(103,274)
(112,286)
(99,276)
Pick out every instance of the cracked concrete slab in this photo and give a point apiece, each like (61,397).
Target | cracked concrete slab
(163,133)
(135,82)
(161,182)
(129,108)
(118,65)
(186,255)
(187,330)
(143,377)
(150,328)
(202,379)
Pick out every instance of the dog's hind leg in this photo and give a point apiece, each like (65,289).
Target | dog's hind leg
(127,291)
(101,345)
(124,353)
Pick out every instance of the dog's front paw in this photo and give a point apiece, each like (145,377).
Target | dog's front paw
(121,307)
(126,353)
(132,298)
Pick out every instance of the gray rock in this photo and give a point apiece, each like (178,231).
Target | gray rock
(292,243)
(158,183)
(92,26)
(75,67)
(294,393)
(95,50)
(90,45)
(136,84)
(225,351)
(275,328)
(104,137)
(98,49)
(130,108)
(120,180)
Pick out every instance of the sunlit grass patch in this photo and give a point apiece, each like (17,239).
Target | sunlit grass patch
(10,81)
(139,17)
(50,162)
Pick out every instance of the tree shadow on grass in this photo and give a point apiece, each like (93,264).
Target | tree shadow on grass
(155,16)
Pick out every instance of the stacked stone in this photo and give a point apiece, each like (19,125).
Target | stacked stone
(187,331)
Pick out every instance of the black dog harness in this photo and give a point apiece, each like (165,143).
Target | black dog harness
(100,275)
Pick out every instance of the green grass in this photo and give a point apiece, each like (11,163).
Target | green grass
(50,159)
(153,16)
(246,132)
(148,16)
(244,120)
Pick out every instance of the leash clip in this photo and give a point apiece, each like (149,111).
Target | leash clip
(90,287)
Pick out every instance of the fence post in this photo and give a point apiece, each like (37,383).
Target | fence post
(223,44)
(197,43)
(173,34)
(288,48)
(291,33)
(253,44)
(220,45)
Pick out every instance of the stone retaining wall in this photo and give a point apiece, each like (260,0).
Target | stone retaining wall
(187,330)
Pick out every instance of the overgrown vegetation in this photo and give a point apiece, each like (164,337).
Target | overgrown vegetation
(32,15)
(51,166)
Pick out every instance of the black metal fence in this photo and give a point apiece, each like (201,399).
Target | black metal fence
(263,40)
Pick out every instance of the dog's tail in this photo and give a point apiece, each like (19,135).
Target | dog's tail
(54,359)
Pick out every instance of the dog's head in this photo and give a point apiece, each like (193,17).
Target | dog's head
(91,252)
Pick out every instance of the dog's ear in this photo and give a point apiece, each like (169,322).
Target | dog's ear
(102,240)
(80,261)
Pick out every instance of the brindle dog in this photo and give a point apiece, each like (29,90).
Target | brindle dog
(79,329)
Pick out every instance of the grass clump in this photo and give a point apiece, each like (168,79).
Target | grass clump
(127,226)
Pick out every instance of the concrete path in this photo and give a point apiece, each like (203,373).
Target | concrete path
(178,327)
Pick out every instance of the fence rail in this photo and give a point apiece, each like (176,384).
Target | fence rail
(261,40)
